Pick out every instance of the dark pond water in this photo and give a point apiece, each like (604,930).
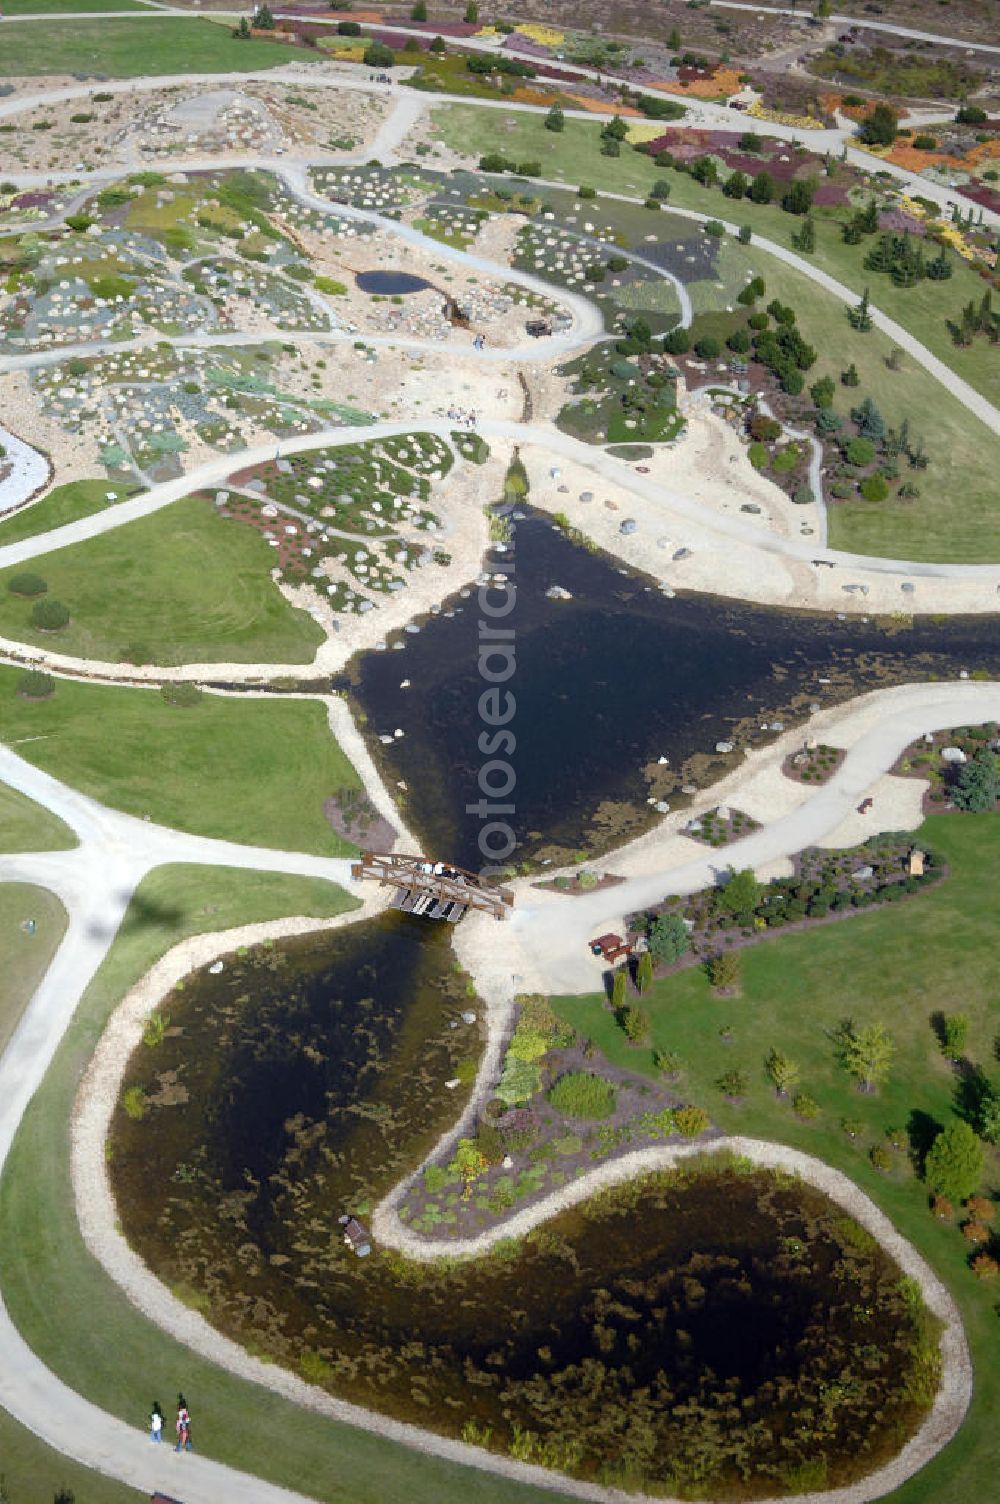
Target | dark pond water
(685,1330)
(608,682)
(390,284)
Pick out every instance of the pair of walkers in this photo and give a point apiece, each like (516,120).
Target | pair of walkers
(182,1425)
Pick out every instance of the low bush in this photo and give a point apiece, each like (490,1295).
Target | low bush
(581,1094)
(34,685)
(49,616)
(690,1121)
(26,584)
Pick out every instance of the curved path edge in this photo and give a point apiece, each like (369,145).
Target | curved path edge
(97,1215)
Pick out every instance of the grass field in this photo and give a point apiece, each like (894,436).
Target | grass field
(896,966)
(25,957)
(67,7)
(35,1472)
(180,586)
(573,156)
(956,517)
(251,770)
(26,826)
(133,49)
(78,498)
(84,1329)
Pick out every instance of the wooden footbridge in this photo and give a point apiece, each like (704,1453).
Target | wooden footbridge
(432,889)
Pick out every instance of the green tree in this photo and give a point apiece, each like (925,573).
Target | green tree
(823,9)
(471,13)
(977,784)
(954,1163)
(762,188)
(736,185)
(419,11)
(668,938)
(865,1053)
(264,18)
(850,377)
(438,46)
(880,127)
(555,120)
(723,970)
(870,422)
(644,971)
(782,1072)
(49,616)
(635,1023)
(954,1033)
(988,1113)
(618,984)
(378,55)
(740,895)
(241,32)
(798,197)
(805,239)
(822,391)
(677,342)
(674,39)
(860,317)
(733,1083)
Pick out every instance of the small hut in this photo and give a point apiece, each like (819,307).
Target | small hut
(355,1236)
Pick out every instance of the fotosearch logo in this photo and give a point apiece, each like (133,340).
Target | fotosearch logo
(497,705)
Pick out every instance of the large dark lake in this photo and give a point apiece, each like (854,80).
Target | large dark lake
(610,681)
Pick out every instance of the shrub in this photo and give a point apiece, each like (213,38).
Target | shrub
(942,1208)
(26,584)
(782,1072)
(134,1103)
(183,695)
(715,228)
(583,192)
(635,1023)
(724,969)
(660,189)
(349,28)
(49,616)
(677,342)
(653,203)
(764,428)
(690,1121)
(805,1106)
(330,286)
(708,347)
(881,1158)
(859,451)
(739,341)
(668,938)
(975,1232)
(378,55)
(581,1094)
(668,1062)
(953,1035)
(984,1267)
(437,1177)
(733,1083)
(34,685)
(520,1081)
(874,488)
(980,1208)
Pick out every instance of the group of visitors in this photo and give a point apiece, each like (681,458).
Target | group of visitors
(459,415)
(182,1425)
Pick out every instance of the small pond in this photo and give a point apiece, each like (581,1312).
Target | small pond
(390,284)
(609,682)
(715,1329)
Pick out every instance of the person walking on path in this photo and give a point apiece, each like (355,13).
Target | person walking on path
(183,1426)
(156,1422)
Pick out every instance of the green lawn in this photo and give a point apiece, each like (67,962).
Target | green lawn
(956,517)
(25,957)
(34,1472)
(78,498)
(133,49)
(85,1329)
(26,826)
(897,966)
(251,770)
(574,156)
(180,586)
(67,7)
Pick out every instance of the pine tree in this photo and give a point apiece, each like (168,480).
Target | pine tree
(618,989)
(860,318)
(555,120)
(644,971)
